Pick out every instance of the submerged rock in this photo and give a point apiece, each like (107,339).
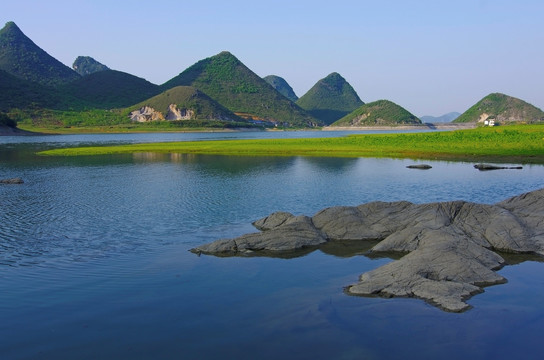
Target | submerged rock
(449,247)
(485,167)
(420,166)
(12,181)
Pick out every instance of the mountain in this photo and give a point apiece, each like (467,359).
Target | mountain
(381,112)
(110,89)
(19,93)
(20,57)
(449,117)
(184,103)
(502,109)
(330,99)
(281,86)
(86,65)
(228,81)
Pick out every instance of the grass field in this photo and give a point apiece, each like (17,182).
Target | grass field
(519,144)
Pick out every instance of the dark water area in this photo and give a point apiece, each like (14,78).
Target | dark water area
(94,260)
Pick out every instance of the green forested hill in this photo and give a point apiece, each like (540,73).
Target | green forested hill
(187,97)
(19,93)
(228,81)
(22,58)
(110,89)
(281,86)
(381,112)
(330,99)
(502,109)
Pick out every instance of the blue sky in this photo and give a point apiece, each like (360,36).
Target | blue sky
(429,56)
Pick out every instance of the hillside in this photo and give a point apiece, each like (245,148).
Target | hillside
(449,117)
(281,86)
(502,109)
(228,81)
(330,99)
(194,104)
(86,65)
(20,57)
(381,112)
(110,89)
(19,93)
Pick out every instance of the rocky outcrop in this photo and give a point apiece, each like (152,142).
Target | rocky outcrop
(449,247)
(145,114)
(12,181)
(420,166)
(179,114)
(485,167)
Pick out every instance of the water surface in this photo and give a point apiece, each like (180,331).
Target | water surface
(94,259)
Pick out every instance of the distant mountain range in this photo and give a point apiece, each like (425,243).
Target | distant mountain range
(330,99)
(219,88)
(228,81)
(449,117)
(381,112)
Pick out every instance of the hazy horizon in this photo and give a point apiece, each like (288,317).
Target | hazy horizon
(431,57)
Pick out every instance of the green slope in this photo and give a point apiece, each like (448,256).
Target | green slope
(330,99)
(19,93)
(86,65)
(188,98)
(503,109)
(281,86)
(109,89)
(228,81)
(381,112)
(19,56)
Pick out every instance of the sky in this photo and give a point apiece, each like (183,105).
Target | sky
(430,56)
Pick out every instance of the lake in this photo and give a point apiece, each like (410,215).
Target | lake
(94,260)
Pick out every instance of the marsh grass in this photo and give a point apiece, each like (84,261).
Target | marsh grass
(524,143)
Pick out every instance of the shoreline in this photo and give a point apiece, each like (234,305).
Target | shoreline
(427,126)
(6,131)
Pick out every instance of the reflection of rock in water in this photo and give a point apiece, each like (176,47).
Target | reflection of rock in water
(449,247)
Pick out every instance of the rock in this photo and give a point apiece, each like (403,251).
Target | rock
(12,181)
(145,114)
(420,166)
(485,167)
(449,247)
(174,113)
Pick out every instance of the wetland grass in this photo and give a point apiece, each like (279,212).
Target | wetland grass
(516,143)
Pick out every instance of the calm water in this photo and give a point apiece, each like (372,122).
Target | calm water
(94,260)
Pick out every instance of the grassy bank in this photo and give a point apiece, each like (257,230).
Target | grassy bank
(523,144)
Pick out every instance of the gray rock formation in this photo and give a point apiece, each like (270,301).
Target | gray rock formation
(420,166)
(485,167)
(449,247)
(12,181)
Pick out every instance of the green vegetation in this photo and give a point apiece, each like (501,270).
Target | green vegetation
(187,97)
(19,56)
(86,65)
(523,144)
(381,112)
(108,89)
(330,99)
(503,109)
(5,120)
(281,86)
(228,81)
